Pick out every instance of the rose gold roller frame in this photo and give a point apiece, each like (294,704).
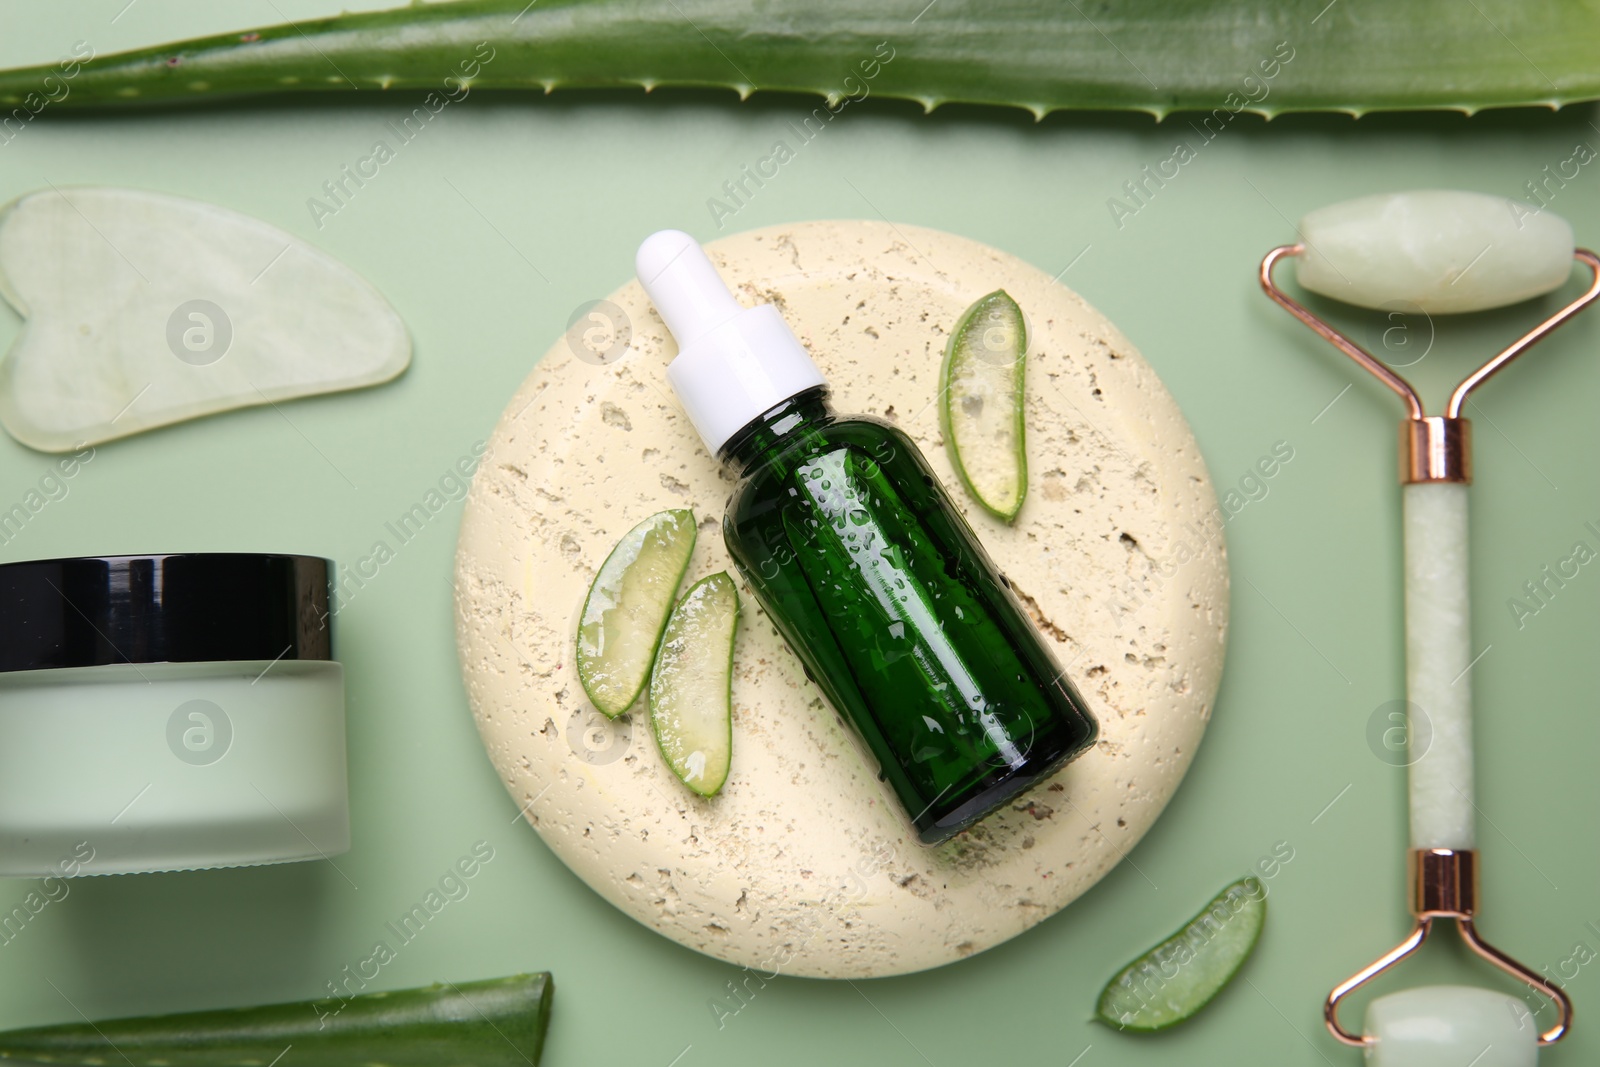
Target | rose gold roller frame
(1443,882)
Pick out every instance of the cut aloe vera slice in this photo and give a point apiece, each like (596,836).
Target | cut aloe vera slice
(627,608)
(1178,977)
(691,701)
(982,403)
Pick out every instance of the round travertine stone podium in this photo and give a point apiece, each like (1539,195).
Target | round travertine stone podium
(804,863)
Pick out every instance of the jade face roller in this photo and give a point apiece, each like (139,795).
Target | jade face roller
(1438,252)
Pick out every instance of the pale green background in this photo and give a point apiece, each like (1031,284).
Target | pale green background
(570,184)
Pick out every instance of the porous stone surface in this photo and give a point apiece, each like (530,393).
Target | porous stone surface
(804,863)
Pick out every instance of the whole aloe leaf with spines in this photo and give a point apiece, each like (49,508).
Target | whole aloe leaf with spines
(500,1022)
(1041,55)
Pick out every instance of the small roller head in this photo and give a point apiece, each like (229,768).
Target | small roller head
(1451,1026)
(1437,251)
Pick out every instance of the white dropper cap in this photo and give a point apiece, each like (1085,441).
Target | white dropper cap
(733,362)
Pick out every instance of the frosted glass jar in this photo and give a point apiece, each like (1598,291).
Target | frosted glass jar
(168,712)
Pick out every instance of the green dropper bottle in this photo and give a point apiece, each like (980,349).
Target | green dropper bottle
(864,564)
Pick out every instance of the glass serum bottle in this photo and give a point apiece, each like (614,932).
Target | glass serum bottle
(863,562)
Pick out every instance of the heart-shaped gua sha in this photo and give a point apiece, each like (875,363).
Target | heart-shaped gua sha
(144,309)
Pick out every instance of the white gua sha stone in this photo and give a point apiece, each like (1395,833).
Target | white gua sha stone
(145,309)
(1433,251)
(1438,252)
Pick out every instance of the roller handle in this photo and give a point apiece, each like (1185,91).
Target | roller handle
(1439,658)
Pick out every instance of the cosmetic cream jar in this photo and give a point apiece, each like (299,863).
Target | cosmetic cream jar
(168,712)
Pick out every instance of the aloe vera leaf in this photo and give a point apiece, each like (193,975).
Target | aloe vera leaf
(1040,55)
(981,406)
(500,1022)
(691,695)
(1175,979)
(627,608)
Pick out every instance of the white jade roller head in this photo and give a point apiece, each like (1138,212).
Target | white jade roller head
(1434,250)
(1451,1026)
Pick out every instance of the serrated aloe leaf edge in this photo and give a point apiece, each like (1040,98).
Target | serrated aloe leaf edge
(1156,56)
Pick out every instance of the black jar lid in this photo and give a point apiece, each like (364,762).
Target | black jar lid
(182,608)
